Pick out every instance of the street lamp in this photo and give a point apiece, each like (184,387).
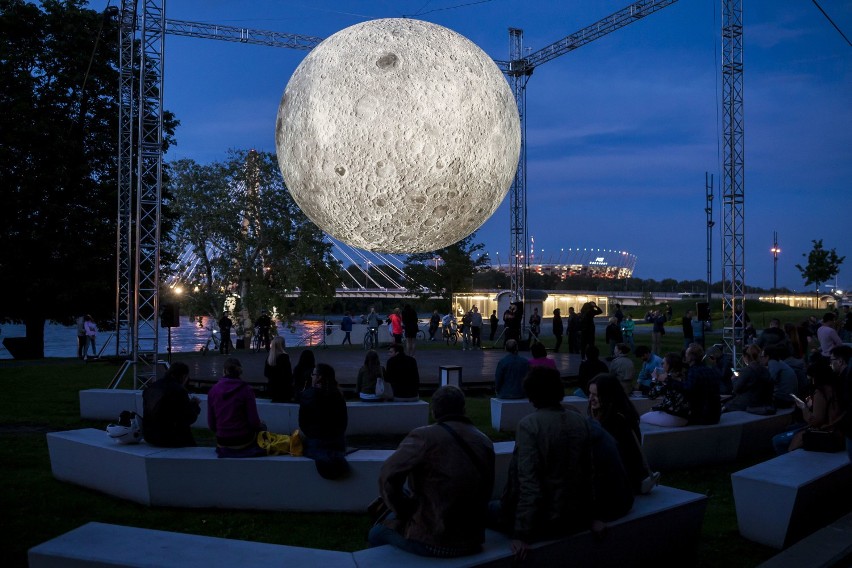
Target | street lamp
(774,250)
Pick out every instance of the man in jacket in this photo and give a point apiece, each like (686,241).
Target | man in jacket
(169,411)
(448,468)
(549,490)
(510,373)
(402,374)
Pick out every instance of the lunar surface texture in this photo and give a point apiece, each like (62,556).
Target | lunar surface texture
(398,135)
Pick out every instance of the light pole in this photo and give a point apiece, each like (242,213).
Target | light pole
(774,250)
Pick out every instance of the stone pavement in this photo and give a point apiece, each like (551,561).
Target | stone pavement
(477,366)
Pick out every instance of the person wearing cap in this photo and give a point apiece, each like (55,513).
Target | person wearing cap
(232,414)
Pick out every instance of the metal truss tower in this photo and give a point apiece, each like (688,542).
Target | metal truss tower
(733,186)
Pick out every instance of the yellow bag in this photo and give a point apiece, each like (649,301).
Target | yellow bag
(280,444)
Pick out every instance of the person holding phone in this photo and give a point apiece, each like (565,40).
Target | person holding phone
(752,385)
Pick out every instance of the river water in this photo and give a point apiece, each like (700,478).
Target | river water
(192,335)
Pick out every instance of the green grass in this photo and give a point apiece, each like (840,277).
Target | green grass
(43,397)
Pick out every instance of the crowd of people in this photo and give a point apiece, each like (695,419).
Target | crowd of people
(568,472)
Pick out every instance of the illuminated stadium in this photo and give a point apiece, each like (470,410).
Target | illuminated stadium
(588,262)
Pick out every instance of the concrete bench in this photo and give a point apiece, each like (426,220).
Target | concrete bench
(196,477)
(784,499)
(505,414)
(738,434)
(828,547)
(635,539)
(99,545)
(364,417)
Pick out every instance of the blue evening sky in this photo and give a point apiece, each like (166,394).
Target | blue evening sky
(620,131)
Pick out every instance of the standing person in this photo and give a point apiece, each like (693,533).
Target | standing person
(573,329)
(169,411)
(411,326)
(91,333)
(437,484)
(225,324)
(627,328)
(658,331)
(512,322)
(612,408)
(558,330)
(587,324)
(494,324)
(476,328)
(434,321)
(510,373)
(402,374)
(619,314)
(322,421)
(698,331)
(278,373)
(686,325)
(549,489)
(395,324)
(232,414)
(346,328)
(465,330)
(81,337)
(302,372)
(847,324)
(613,335)
(373,323)
(827,335)
(264,324)
(368,379)
(535,325)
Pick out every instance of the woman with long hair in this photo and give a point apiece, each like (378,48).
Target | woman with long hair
(610,406)
(820,411)
(322,420)
(673,411)
(369,376)
(278,373)
(302,371)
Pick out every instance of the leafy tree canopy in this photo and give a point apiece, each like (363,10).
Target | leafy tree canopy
(446,271)
(250,238)
(58,148)
(822,266)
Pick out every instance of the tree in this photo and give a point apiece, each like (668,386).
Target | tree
(249,236)
(58,148)
(822,265)
(445,271)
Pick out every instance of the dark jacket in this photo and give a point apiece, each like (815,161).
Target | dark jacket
(509,377)
(402,373)
(752,388)
(280,379)
(549,491)
(323,415)
(168,414)
(448,490)
(702,391)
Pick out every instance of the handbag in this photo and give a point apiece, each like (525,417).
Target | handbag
(280,444)
(380,385)
(822,441)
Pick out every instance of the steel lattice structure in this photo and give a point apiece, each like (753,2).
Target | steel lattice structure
(141,330)
(733,187)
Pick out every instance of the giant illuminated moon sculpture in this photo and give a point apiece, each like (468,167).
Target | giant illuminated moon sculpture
(398,135)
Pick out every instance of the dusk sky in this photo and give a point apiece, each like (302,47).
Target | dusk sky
(620,132)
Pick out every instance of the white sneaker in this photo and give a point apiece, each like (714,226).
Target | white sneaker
(650,482)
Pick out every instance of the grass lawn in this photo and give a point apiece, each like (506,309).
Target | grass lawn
(40,397)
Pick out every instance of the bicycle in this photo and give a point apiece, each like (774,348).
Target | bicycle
(255,340)
(371,338)
(451,334)
(421,335)
(214,338)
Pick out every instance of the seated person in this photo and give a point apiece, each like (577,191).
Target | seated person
(322,420)
(539,356)
(622,367)
(169,411)
(785,383)
(673,411)
(752,386)
(650,362)
(278,373)
(510,373)
(402,374)
(368,378)
(701,387)
(437,484)
(232,414)
(549,489)
(589,369)
(613,495)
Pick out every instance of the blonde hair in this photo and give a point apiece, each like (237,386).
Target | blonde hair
(276,348)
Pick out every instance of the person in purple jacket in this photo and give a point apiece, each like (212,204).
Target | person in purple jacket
(232,414)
